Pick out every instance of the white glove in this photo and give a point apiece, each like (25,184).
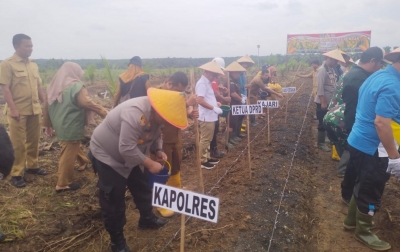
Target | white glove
(244,100)
(217,110)
(394,167)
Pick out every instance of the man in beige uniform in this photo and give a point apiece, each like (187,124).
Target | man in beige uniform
(256,84)
(22,90)
(172,136)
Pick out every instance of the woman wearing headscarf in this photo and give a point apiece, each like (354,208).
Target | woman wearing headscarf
(132,83)
(68,110)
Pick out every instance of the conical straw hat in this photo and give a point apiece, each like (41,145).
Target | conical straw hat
(235,67)
(246,59)
(347,57)
(170,105)
(393,55)
(212,66)
(335,54)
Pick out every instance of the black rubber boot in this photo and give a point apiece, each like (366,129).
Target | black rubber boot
(118,242)
(151,222)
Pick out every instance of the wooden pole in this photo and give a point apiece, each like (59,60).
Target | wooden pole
(287,98)
(183,229)
(228,117)
(269,135)
(287,104)
(248,135)
(196,128)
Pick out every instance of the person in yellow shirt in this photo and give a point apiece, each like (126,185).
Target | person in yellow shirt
(21,85)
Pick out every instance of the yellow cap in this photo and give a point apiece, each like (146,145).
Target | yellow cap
(235,67)
(246,59)
(212,66)
(335,54)
(170,105)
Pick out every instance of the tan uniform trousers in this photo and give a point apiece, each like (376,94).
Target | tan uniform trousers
(206,135)
(71,151)
(174,154)
(24,135)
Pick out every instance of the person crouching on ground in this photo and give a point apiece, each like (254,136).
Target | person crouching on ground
(119,146)
(6,159)
(275,86)
(172,136)
(234,70)
(257,84)
(68,110)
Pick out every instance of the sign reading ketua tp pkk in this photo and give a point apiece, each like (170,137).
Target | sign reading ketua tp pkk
(246,109)
(188,203)
(268,103)
(287,90)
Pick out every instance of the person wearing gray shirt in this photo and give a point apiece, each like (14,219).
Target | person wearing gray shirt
(119,147)
(326,83)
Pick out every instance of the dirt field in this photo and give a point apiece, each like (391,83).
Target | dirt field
(291,203)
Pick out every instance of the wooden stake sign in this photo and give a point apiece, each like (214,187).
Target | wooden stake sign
(229,114)
(248,135)
(196,128)
(187,203)
(268,104)
(288,90)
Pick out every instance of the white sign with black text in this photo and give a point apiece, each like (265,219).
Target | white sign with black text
(268,103)
(287,90)
(185,202)
(246,109)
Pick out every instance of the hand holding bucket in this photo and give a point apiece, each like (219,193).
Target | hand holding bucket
(161,177)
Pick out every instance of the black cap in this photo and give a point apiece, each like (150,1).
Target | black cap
(264,67)
(372,53)
(136,61)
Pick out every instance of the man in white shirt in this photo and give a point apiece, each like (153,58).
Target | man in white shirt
(208,111)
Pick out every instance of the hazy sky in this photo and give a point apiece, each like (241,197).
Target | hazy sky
(75,29)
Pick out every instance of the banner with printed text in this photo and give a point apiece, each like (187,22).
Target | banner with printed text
(319,43)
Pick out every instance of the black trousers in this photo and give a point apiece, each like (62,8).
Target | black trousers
(349,179)
(371,179)
(112,194)
(320,116)
(213,143)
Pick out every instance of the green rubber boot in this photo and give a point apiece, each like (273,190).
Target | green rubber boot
(364,235)
(231,139)
(321,141)
(349,222)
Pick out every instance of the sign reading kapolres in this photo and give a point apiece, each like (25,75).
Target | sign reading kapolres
(317,43)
